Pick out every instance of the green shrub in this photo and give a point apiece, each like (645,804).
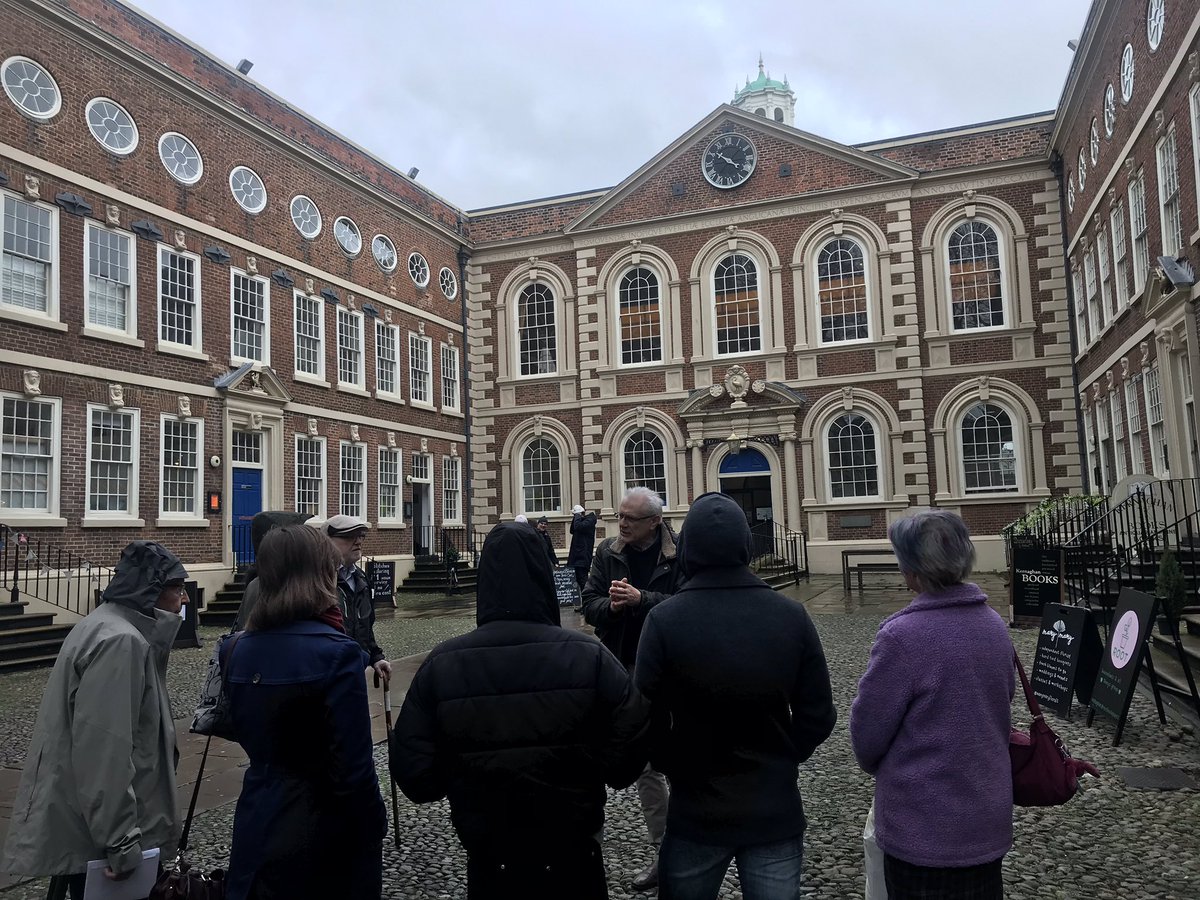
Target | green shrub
(1171,586)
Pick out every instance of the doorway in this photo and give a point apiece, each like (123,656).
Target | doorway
(422,494)
(247,503)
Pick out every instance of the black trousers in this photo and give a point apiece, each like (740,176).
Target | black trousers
(906,881)
(572,871)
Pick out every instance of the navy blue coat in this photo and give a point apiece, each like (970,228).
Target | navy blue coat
(309,821)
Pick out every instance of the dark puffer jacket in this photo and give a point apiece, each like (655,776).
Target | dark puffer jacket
(520,723)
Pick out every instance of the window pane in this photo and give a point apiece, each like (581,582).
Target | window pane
(540,477)
(354,479)
(181,466)
(111,463)
(853,465)
(645,463)
(976,298)
(842,291)
(308,334)
(108,279)
(989,451)
(310,476)
(450,377)
(451,507)
(26,455)
(389,484)
(535,331)
(387,362)
(349,348)
(420,379)
(736,295)
(177,286)
(25,278)
(249,318)
(638,302)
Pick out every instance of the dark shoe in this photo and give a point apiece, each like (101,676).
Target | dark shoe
(647,879)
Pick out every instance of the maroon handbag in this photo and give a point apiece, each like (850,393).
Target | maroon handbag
(178,880)
(1044,773)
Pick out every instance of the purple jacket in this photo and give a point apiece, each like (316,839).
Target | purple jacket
(931,722)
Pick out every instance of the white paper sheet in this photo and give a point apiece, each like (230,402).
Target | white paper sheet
(136,887)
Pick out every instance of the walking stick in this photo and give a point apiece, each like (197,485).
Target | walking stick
(387,718)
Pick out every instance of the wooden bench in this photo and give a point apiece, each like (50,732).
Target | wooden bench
(848,564)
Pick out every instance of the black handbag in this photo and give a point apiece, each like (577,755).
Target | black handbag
(179,881)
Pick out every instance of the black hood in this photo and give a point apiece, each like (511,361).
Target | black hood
(516,582)
(715,535)
(144,570)
(271,519)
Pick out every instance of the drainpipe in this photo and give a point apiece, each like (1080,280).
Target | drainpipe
(1056,166)
(464,257)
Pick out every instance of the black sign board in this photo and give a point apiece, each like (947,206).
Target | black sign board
(567,588)
(1035,580)
(186,635)
(1122,658)
(1067,657)
(382,576)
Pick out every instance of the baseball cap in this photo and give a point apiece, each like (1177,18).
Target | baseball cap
(576,509)
(344,526)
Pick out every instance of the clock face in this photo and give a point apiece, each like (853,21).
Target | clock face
(729,161)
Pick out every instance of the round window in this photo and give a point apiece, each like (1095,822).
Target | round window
(112,125)
(31,88)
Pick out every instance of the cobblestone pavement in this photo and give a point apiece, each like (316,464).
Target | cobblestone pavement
(1109,843)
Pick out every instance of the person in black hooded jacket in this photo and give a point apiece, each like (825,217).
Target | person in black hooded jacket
(521,723)
(736,674)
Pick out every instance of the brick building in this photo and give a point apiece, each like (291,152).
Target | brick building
(1127,134)
(206,291)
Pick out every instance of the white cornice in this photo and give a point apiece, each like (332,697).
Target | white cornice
(963,131)
(1079,64)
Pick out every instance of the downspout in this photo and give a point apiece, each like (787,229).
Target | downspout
(464,257)
(1056,166)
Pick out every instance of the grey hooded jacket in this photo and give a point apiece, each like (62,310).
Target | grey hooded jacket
(99,779)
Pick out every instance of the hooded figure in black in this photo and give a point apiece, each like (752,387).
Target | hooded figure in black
(521,724)
(736,674)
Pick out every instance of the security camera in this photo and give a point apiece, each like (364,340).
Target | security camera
(408,479)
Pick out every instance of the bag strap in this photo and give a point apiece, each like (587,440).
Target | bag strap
(237,636)
(1029,698)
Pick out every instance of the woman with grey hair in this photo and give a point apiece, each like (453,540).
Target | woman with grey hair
(931,722)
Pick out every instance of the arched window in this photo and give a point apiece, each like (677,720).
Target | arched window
(760,112)
(541,481)
(536,334)
(640,317)
(988,450)
(778,114)
(646,463)
(976,292)
(842,291)
(735,283)
(853,461)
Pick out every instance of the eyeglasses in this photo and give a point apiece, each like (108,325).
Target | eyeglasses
(180,589)
(625,517)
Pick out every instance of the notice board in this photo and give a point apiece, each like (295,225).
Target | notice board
(1067,657)
(1036,579)
(567,588)
(382,577)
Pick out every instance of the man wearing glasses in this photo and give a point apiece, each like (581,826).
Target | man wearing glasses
(354,591)
(630,574)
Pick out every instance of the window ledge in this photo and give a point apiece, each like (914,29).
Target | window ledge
(32,319)
(352,389)
(390,525)
(115,336)
(454,526)
(864,503)
(97,522)
(990,499)
(387,397)
(452,411)
(305,378)
(184,351)
(236,362)
(31,520)
(982,333)
(181,523)
(418,404)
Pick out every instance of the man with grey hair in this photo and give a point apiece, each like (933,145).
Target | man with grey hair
(631,574)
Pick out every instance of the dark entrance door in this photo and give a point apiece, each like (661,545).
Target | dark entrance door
(746,477)
(247,503)
(420,532)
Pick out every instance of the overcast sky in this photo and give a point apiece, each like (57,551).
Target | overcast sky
(502,102)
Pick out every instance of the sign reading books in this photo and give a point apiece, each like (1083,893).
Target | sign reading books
(1035,580)
(1067,657)
(382,576)
(1121,661)
(567,588)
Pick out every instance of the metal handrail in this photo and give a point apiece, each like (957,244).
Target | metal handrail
(33,567)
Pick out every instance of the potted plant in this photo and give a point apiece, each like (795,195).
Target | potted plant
(1172,593)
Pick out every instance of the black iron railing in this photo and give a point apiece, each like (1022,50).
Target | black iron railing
(1054,522)
(776,549)
(242,544)
(460,545)
(36,568)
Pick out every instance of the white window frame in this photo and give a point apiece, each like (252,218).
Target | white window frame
(95,329)
(1083,335)
(1093,296)
(1170,214)
(21,313)
(1116,411)
(619,340)
(1103,436)
(131,517)
(234,274)
(50,515)
(1006,314)
(197,344)
(452,465)
(345,319)
(398,518)
(879,468)
(666,450)
(1104,268)
(359,449)
(555,305)
(1194,106)
(1152,384)
(759,269)
(323,504)
(1094,477)
(167,519)
(450,385)
(382,365)
(520,461)
(1140,236)
(867,297)
(1019,462)
(299,297)
(1120,255)
(425,376)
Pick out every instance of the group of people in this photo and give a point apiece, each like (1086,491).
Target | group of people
(702,684)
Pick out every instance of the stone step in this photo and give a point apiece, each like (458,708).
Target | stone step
(220,618)
(12,636)
(1190,644)
(30,649)
(28,620)
(435,589)
(1170,675)
(227,595)
(30,662)
(12,609)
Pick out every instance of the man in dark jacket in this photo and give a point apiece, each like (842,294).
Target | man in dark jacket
(543,530)
(630,575)
(583,543)
(520,724)
(354,591)
(736,673)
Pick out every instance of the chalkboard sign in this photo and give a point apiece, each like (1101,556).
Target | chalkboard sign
(382,576)
(1122,658)
(1035,580)
(1067,657)
(567,588)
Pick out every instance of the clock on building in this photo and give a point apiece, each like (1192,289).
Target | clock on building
(728,161)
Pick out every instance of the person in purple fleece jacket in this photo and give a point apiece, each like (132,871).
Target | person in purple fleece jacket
(932,719)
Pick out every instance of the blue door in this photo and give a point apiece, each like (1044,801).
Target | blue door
(247,502)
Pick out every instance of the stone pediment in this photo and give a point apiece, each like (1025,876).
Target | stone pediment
(789,163)
(254,383)
(737,395)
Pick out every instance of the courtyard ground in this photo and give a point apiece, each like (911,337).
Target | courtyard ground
(1111,842)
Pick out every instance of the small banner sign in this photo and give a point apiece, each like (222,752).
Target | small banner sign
(382,576)
(567,588)
(1067,657)
(1036,579)
(1121,661)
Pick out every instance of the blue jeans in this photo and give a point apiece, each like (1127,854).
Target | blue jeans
(690,871)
